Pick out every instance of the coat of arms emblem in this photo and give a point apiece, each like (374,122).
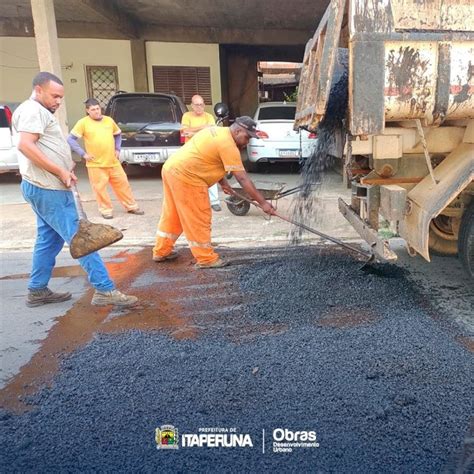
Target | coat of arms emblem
(166,437)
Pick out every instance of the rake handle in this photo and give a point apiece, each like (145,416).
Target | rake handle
(309,229)
(321,234)
(77,202)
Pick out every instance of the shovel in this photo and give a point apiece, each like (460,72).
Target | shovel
(90,237)
(369,256)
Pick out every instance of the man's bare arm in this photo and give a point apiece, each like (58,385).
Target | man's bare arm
(190,131)
(27,145)
(248,186)
(226,187)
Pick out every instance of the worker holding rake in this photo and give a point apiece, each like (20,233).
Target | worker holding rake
(201,162)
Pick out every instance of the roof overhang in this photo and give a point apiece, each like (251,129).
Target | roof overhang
(225,22)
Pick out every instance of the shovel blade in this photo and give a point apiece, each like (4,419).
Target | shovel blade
(92,237)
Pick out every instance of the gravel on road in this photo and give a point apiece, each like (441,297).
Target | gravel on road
(298,339)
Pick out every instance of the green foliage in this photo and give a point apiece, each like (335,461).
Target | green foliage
(387,230)
(291,97)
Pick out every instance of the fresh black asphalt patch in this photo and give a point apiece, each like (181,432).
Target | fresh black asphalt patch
(297,339)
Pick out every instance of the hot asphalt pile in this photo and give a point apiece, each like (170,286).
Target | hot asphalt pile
(316,345)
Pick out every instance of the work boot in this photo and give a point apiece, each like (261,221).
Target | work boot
(219,263)
(170,256)
(113,297)
(216,207)
(45,296)
(137,212)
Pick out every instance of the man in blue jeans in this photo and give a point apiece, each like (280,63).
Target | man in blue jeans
(46,167)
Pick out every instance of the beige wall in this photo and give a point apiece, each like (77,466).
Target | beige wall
(186,54)
(19,54)
(19,63)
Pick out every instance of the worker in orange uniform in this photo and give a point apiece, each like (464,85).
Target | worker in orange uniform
(102,139)
(201,162)
(192,122)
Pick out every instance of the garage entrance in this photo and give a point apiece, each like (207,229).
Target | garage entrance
(240,76)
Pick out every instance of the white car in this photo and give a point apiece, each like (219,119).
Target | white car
(283,143)
(8,156)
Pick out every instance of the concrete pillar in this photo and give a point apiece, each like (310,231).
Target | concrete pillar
(139,65)
(47,47)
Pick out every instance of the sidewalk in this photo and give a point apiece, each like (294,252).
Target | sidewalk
(18,224)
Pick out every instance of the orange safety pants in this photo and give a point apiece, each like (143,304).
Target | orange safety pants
(116,177)
(186,208)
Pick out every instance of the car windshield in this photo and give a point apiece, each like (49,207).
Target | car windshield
(143,110)
(277,113)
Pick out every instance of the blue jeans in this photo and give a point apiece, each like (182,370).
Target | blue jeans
(57,222)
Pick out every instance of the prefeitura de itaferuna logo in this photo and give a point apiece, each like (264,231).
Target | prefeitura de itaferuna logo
(166,437)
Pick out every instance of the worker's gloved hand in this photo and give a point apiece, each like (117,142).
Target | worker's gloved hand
(268,208)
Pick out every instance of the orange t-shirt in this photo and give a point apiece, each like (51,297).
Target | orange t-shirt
(99,142)
(206,158)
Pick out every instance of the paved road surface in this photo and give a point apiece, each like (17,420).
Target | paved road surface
(298,339)
(378,363)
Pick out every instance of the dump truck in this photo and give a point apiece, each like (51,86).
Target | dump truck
(407,147)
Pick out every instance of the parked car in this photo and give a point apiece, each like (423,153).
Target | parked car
(8,152)
(150,125)
(283,143)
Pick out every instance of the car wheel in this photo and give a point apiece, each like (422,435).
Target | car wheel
(251,167)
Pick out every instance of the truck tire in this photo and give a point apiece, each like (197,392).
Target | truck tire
(466,240)
(442,240)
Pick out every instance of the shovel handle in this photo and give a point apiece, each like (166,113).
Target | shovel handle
(77,202)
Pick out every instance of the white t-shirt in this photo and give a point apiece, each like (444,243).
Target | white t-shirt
(32,117)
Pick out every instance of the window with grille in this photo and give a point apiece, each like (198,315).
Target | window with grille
(183,81)
(102,83)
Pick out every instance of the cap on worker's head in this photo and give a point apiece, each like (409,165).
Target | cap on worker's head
(249,125)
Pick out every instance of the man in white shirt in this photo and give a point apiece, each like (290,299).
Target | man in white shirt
(46,167)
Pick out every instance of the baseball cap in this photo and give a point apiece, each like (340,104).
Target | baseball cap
(250,126)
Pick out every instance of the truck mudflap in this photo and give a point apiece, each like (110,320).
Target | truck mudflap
(427,199)
(380,247)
